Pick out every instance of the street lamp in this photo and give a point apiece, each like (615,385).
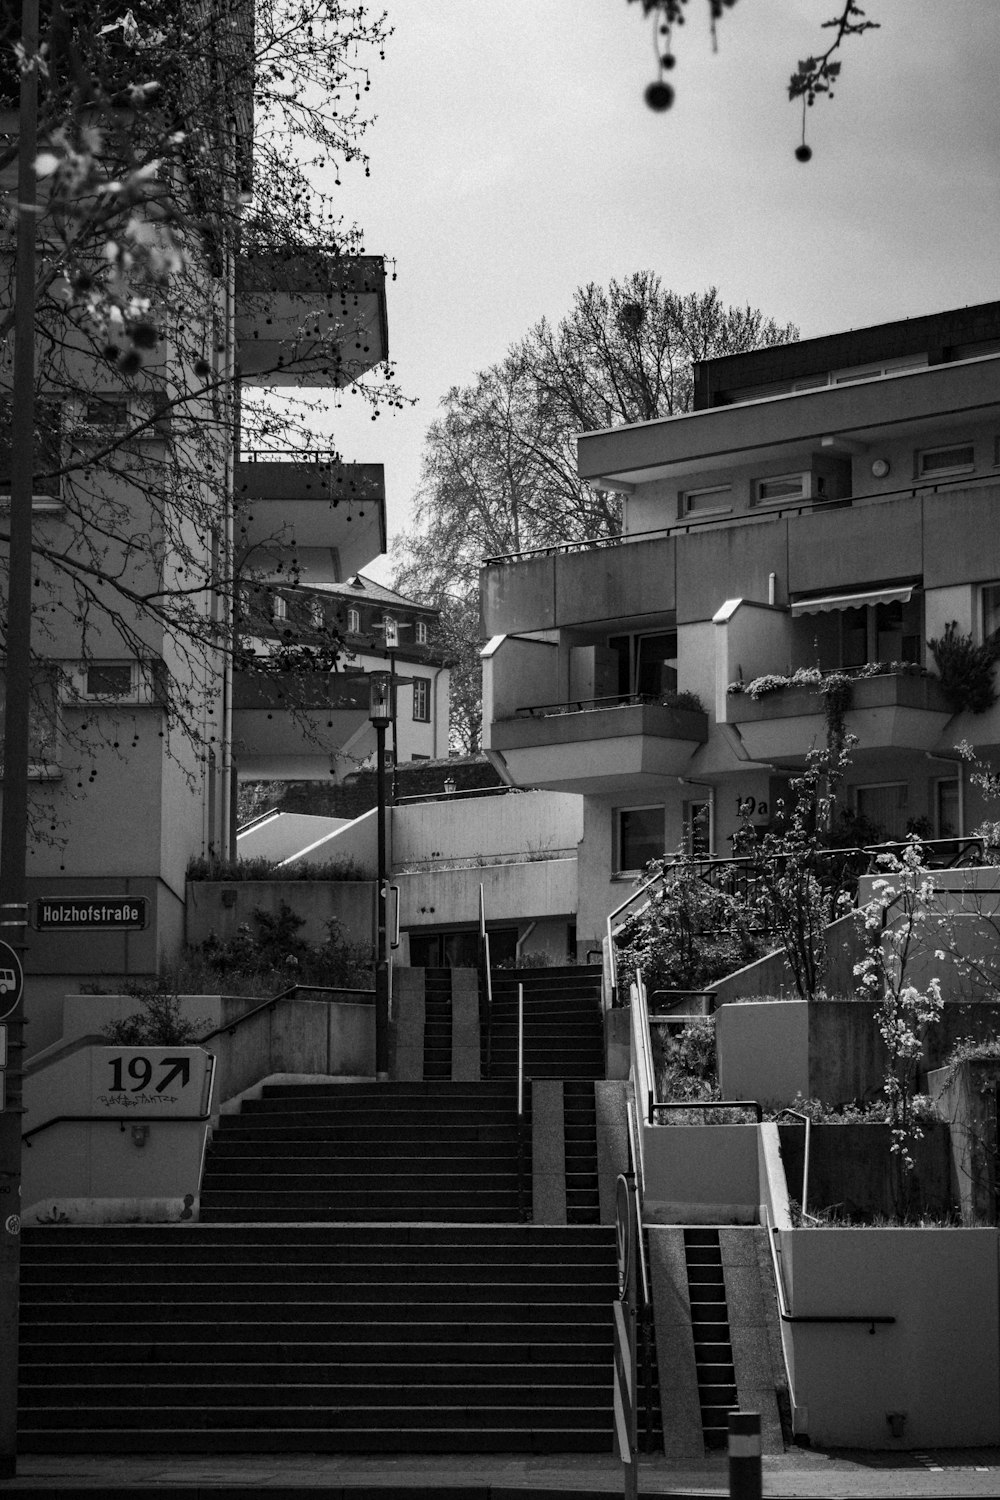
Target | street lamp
(380,712)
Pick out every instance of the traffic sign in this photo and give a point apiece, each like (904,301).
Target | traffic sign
(11,980)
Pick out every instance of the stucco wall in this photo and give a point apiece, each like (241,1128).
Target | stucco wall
(220,907)
(938,1363)
(700,1174)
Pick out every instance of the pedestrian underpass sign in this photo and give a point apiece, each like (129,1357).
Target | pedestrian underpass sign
(11,980)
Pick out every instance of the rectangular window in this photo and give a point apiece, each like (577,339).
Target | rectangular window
(698,827)
(781,488)
(279,608)
(421,700)
(641,836)
(107,410)
(48,447)
(704,502)
(990,601)
(946,809)
(42,724)
(937,462)
(353,622)
(109,681)
(316,614)
(647,664)
(885,807)
(421,635)
(882,632)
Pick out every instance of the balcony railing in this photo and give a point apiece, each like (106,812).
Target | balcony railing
(592,705)
(683,525)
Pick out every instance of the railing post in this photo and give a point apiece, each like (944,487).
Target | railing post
(744,1455)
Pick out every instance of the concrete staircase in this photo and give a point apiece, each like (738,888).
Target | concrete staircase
(366,1153)
(563,1027)
(316,1339)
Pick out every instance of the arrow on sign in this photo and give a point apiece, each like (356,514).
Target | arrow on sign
(181,1068)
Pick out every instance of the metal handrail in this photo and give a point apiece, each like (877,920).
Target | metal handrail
(646,1308)
(789,1317)
(123,1120)
(592,705)
(230,1027)
(486,985)
(521,1081)
(642,1057)
(798,1115)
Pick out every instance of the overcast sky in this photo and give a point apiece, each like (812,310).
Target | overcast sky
(513,159)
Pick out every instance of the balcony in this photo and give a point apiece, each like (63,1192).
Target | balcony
(310,319)
(890,711)
(288,504)
(598,745)
(292,726)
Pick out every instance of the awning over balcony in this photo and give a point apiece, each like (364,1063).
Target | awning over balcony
(827,603)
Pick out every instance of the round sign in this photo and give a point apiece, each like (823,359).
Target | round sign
(623,1232)
(11,980)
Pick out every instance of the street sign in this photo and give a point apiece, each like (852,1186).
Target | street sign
(11,980)
(91,913)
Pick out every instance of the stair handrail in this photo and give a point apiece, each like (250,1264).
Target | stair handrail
(231,1026)
(521,1080)
(485,985)
(646,1306)
(798,1115)
(643,1076)
(208,1094)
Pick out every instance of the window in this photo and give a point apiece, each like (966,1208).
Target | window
(108,410)
(279,608)
(421,632)
(990,604)
(316,618)
(43,724)
(421,700)
(937,462)
(703,502)
(353,622)
(884,806)
(782,487)
(108,681)
(641,837)
(698,827)
(882,632)
(390,629)
(647,664)
(946,809)
(48,447)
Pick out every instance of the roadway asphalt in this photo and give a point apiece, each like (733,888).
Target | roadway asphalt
(800,1474)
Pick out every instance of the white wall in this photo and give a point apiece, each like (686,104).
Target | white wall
(938,1362)
(469,827)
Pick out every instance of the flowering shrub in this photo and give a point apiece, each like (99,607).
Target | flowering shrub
(824,682)
(895,925)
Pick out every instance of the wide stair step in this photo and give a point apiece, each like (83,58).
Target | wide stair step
(333,1338)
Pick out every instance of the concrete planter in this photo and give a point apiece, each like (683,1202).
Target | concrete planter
(852,1170)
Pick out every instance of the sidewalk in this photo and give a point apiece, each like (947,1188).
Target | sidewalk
(803,1473)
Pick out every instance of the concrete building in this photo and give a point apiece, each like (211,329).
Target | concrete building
(828,506)
(139,479)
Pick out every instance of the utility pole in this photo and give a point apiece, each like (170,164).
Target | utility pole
(14,823)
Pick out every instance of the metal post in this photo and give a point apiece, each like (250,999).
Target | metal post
(14,824)
(381,952)
(744,1455)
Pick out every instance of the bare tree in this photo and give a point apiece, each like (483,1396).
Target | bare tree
(499,466)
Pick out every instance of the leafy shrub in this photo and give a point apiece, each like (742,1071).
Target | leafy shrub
(158,1024)
(965,669)
(238,870)
(275,956)
(687,936)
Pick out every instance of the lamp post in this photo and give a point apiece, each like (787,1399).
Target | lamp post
(380,706)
